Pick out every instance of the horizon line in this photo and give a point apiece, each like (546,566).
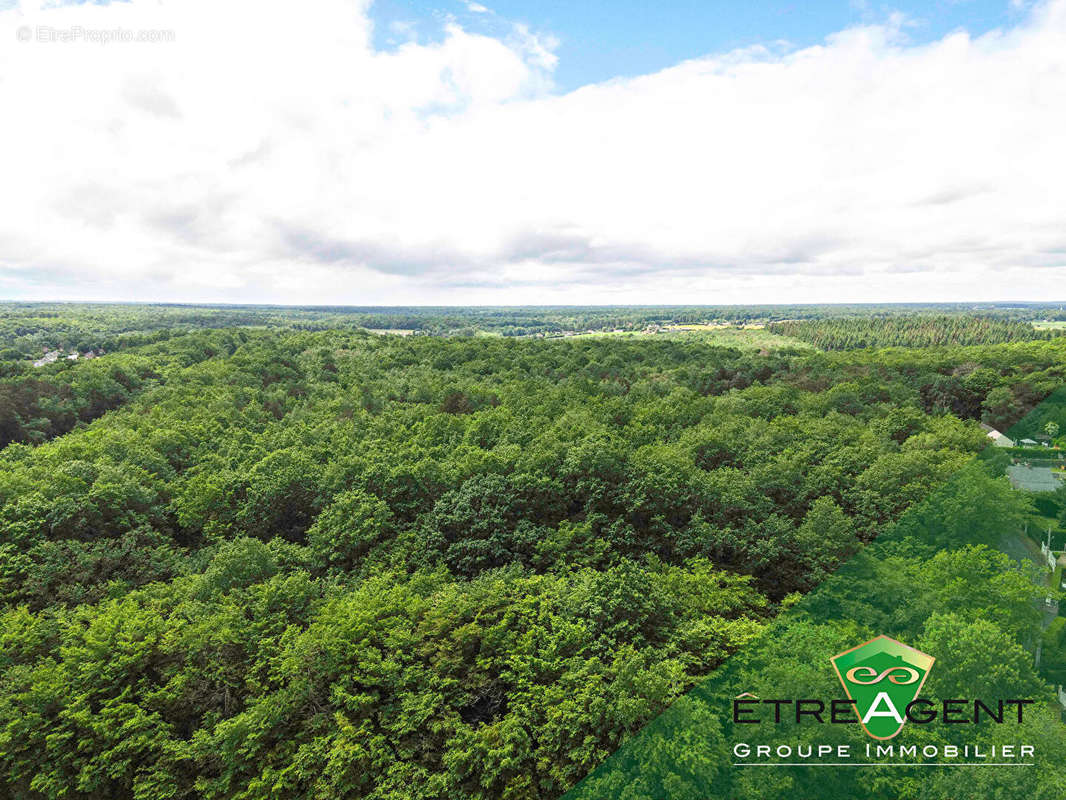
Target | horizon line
(303,306)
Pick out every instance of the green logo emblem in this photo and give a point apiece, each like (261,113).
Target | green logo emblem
(883,677)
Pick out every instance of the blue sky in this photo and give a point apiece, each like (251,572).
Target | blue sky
(603,39)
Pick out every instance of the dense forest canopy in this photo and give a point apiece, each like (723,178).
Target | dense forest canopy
(260,561)
(919,330)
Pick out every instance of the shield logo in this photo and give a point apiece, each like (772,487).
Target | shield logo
(882,676)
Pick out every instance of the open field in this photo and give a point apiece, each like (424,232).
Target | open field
(754,336)
(748,337)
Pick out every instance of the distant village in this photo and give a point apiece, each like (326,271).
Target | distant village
(51,356)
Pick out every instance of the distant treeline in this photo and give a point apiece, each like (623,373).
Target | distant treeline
(923,330)
(27,330)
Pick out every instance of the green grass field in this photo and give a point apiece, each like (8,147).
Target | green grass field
(755,338)
(746,338)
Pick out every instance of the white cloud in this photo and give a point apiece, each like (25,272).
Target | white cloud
(272,155)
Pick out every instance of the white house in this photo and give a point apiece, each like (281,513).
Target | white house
(998,439)
(48,358)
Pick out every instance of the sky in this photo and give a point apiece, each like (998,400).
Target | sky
(597,40)
(402,152)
